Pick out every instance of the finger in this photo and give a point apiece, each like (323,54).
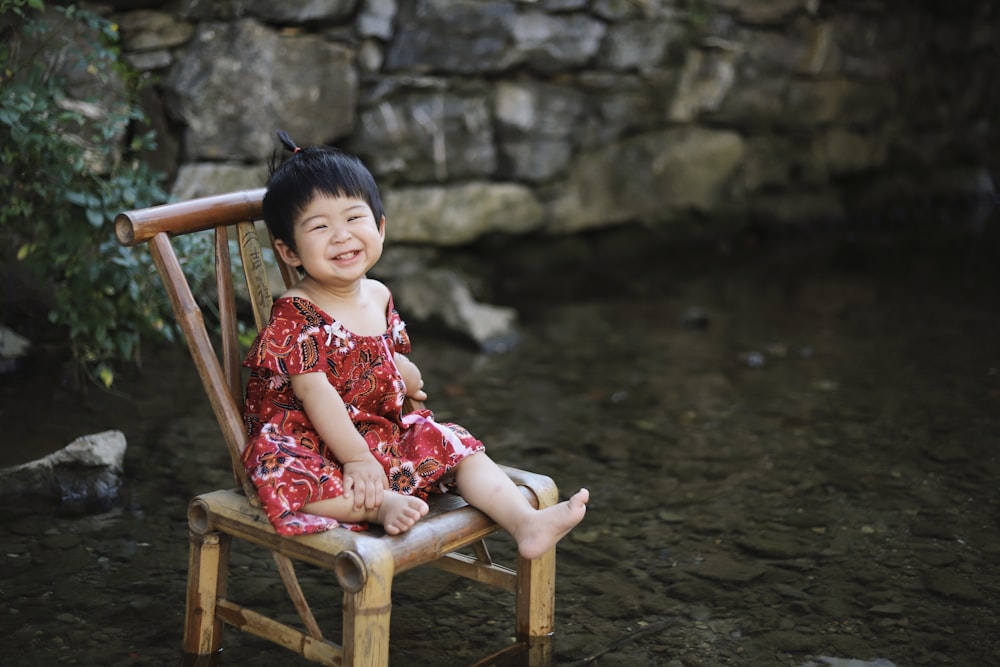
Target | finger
(372,500)
(358,493)
(361,496)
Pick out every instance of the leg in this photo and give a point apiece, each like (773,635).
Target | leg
(397,513)
(486,487)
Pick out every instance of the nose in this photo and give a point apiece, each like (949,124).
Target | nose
(340,234)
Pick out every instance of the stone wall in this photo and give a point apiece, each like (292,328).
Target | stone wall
(485,116)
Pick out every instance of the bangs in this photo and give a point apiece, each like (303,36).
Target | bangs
(335,181)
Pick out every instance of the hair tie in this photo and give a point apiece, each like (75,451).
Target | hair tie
(287,142)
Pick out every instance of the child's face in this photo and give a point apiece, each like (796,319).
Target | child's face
(337,240)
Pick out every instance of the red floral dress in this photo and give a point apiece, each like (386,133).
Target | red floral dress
(285,458)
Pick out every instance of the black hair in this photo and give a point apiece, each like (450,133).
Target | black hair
(310,173)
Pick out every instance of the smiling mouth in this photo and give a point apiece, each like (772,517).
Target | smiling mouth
(347,255)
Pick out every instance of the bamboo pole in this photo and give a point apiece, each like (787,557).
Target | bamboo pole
(189,317)
(134,227)
(536,596)
(247,620)
(256,273)
(367,610)
(208,570)
(491,574)
(231,357)
(287,571)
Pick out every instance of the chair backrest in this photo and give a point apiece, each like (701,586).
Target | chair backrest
(231,216)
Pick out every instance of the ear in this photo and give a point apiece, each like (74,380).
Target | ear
(286,254)
(381,227)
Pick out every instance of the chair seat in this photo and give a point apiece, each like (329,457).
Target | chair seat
(451,524)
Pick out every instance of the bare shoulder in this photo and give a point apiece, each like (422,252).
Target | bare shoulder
(378,292)
(293,292)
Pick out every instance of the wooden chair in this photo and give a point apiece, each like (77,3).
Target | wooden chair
(364,562)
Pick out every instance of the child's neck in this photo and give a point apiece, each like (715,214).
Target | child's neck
(346,295)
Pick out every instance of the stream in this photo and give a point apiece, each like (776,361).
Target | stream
(791,447)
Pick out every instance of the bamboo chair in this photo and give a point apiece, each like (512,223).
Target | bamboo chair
(364,562)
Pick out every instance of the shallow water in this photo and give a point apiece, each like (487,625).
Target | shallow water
(791,449)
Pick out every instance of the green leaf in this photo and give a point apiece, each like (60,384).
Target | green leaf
(95,217)
(74,197)
(106,376)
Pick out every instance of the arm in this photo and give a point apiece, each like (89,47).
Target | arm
(411,377)
(363,474)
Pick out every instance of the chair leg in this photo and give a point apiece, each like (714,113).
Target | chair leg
(536,597)
(208,575)
(536,606)
(367,606)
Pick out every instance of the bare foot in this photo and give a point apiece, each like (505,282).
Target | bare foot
(550,525)
(398,513)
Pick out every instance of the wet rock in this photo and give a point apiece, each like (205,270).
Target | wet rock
(946,452)
(443,295)
(59,540)
(991,548)
(691,590)
(721,568)
(789,640)
(953,585)
(791,592)
(891,609)
(938,558)
(84,474)
(825,661)
(695,318)
(835,606)
(773,546)
(494,328)
(933,526)
(12,349)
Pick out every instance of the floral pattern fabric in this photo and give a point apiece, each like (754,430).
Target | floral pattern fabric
(285,458)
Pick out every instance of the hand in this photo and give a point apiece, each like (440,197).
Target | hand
(366,481)
(412,379)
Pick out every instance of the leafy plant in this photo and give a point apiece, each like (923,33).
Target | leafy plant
(67,167)
(16,7)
